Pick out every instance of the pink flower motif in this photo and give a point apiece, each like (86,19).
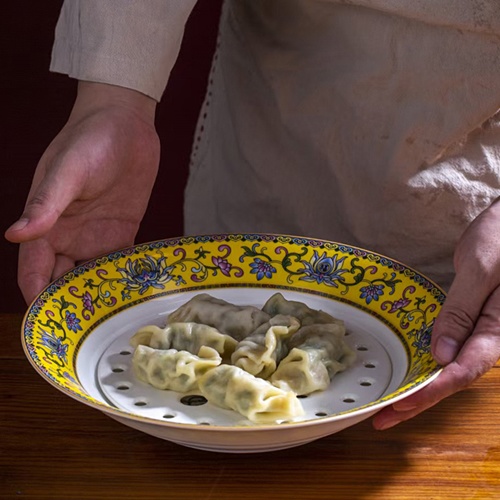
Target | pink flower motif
(87,302)
(222,264)
(399,304)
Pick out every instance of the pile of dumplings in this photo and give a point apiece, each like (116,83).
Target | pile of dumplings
(250,360)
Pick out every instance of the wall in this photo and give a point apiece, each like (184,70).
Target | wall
(36,103)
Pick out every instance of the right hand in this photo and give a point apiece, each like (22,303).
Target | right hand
(91,187)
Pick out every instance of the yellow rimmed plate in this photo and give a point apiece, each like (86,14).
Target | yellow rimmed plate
(76,332)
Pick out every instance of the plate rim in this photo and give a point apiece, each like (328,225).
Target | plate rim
(220,237)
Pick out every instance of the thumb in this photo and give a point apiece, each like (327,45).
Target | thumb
(43,208)
(458,316)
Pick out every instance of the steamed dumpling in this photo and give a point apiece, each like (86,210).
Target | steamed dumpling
(171,369)
(317,353)
(277,304)
(185,337)
(231,387)
(230,319)
(261,351)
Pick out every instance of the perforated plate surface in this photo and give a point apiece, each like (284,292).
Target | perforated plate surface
(365,381)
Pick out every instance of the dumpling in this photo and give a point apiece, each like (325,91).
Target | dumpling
(172,369)
(231,387)
(317,353)
(236,321)
(303,371)
(261,351)
(277,304)
(185,337)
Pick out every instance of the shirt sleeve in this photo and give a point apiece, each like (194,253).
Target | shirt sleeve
(129,43)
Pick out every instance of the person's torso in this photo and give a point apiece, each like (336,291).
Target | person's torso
(358,121)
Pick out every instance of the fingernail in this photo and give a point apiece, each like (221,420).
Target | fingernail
(402,406)
(446,350)
(20,224)
(387,425)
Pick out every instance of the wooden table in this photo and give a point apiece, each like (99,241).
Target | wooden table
(53,447)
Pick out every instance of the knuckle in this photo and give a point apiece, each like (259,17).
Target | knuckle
(463,377)
(465,374)
(40,198)
(453,317)
(467,377)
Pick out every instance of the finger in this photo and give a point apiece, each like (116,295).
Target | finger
(480,353)
(62,265)
(458,316)
(389,417)
(35,267)
(452,379)
(449,381)
(44,207)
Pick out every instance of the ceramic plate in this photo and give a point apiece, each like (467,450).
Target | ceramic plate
(76,332)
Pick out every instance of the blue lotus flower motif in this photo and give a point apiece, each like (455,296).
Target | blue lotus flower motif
(140,274)
(323,269)
(72,322)
(262,268)
(54,344)
(422,338)
(371,292)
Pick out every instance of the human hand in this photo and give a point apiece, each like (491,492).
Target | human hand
(466,334)
(91,187)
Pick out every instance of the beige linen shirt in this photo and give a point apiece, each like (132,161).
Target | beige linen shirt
(369,122)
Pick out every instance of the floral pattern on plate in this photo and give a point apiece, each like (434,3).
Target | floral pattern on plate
(69,309)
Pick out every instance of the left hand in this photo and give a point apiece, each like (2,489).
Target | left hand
(466,334)
(91,186)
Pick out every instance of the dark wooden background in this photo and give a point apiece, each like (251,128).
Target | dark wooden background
(36,103)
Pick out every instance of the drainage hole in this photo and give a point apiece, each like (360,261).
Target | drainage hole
(321,414)
(204,423)
(362,348)
(370,365)
(117,369)
(193,400)
(302,396)
(125,353)
(140,403)
(349,399)
(366,383)
(168,415)
(123,387)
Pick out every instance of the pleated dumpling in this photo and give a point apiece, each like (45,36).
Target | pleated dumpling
(172,369)
(230,387)
(317,353)
(230,319)
(277,304)
(185,337)
(262,350)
